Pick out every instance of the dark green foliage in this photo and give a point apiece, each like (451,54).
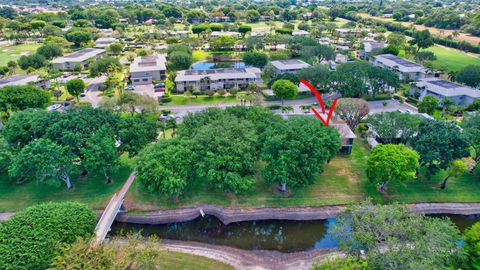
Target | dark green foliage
(472,246)
(50,50)
(33,237)
(135,133)
(469,75)
(75,87)
(394,127)
(439,143)
(296,150)
(255,59)
(104,66)
(179,60)
(79,36)
(35,61)
(316,75)
(286,76)
(17,98)
(428,105)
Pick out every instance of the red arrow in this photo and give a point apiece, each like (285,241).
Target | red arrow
(320,101)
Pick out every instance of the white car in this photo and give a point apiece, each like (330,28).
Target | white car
(166,116)
(54,107)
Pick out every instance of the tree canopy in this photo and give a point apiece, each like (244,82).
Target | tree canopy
(34,236)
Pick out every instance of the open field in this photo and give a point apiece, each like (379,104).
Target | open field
(452,59)
(433,30)
(92,190)
(9,53)
(202,99)
(343,181)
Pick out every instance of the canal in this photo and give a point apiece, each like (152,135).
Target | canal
(280,235)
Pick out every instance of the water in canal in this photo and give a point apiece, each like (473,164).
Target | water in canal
(281,235)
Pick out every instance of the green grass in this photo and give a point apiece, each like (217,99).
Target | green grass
(9,53)
(92,190)
(200,55)
(181,261)
(182,100)
(451,59)
(343,181)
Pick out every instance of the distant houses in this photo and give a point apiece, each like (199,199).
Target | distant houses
(441,89)
(369,46)
(79,58)
(406,70)
(289,66)
(212,79)
(146,69)
(25,79)
(223,34)
(103,43)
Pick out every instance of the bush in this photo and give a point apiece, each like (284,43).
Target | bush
(210,92)
(412,100)
(33,237)
(377,97)
(165,99)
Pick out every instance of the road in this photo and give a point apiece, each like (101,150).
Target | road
(375,106)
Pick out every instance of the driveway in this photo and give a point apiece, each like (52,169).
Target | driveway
(147,89)
(392,105)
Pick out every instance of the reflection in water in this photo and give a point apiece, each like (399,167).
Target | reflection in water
(204,65)
(281,235)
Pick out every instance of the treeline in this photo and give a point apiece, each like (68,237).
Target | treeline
(397,27)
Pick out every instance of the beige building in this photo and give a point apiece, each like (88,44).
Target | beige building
(81,58)
(146,69)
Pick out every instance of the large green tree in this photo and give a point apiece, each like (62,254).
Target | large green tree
(352,110)
(392,127)
(428,105)
(34,236)
(392,237)
(75,87)
(439,143)
(472,246)
(422,39)
(16,98)
(43,160)
(135,133)
(391,162)
(256,59)
(166,167)
(284,89)
(471,128)
(296,150)
(226,153)
(469,75)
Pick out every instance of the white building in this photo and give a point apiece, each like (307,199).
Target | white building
(406,70)
(368,46)
(24,79)
(145,69)
(289,66)
(300,33)
(224,34)
(81,58)
(223,78)
(102,43)
(462,95)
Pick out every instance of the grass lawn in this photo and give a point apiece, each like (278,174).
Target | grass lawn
(91,190)
(9,53)
(343,181)
(200,55)
(181,261)
(451,59)
(182,100)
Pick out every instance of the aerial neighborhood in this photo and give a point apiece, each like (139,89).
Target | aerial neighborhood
(268,135)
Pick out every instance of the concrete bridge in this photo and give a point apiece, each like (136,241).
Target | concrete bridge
(111,211)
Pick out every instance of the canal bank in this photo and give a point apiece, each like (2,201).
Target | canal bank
(230,215)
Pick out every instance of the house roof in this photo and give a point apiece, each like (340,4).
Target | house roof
(370,45)
(22,79)
(289,64)
(344,130)
(217,74)
(447,88)
(219,34)
(79,56)
(403,64)
(148,63)
(300,33)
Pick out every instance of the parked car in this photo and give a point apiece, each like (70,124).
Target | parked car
(130,87)
(159,87)
(82,94)
(166,116)
(54,107)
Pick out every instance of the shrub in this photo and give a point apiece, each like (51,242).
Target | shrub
(33,237)
(377,97)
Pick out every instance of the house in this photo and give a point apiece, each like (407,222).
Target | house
(325,41)
(368,46)
(178,33)
(122,20)
(289,66)
(300,33)
(220,19)
(441,89)
(345,32)
(102,43)
(346,135)
(25,79)
(222,78)
(406,70)
(79,58)
(223,34)
(145,69)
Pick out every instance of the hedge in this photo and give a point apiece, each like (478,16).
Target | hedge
(33,237)
(377,97)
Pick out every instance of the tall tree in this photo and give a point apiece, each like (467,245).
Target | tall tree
(391,162)
(439,143)
(295,151)
(392,127)
(456,169)
(422,39)
(75,87)
(284,89)
(428,105)
(352,110)
(469,75)
(471,128)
